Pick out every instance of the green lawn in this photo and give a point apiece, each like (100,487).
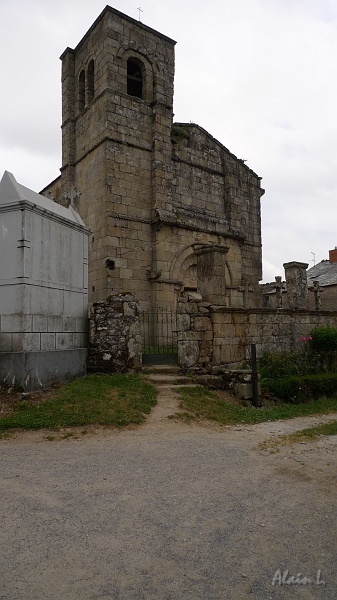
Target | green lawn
(207,405)
(96,399)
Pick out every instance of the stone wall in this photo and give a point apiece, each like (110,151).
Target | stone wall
(209,336)
(115,342)
(194,333)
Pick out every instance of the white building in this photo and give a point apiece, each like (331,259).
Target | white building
(43,288)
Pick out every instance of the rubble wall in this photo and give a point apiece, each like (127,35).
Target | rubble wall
(115,341)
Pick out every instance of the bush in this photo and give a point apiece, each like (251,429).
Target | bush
(323,345)
(273,365)
(298,389)
(324,339)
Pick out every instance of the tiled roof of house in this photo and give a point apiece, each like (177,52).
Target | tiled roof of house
(324,272)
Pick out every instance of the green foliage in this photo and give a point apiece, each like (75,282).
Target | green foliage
(179,134)
(287,388)
(306,372)
(97,399)
(324,348)
(296,389)
(324,339)
(312,433)
(274,365)
(207,405)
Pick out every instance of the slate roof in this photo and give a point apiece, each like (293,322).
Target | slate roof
(324,272)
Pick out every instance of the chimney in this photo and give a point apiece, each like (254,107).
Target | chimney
(333,255)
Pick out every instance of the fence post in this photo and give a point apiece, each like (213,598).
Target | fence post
(255,377)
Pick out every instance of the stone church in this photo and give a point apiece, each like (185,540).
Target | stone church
(167,203)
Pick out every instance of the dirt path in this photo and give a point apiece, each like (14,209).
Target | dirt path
(168,511)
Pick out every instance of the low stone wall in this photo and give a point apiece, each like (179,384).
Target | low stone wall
(210,335)
(115,342)
(237,381)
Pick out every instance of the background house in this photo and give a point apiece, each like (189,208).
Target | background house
(325,273)
(322,294)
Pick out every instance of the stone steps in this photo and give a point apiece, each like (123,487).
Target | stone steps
(169,379)
(164,369)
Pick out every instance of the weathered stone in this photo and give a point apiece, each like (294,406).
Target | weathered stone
(141,182)
(188,354)
(297,285)
(115,342)
(213,382)
(202,324)
(183,322)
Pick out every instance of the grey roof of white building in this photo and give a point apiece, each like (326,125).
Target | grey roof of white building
(11,192)
(325,272)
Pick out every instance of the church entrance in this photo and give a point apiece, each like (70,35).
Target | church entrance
(159,331)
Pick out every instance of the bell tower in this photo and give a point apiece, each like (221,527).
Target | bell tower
(117,110)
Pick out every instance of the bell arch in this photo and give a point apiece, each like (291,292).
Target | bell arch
(138,74)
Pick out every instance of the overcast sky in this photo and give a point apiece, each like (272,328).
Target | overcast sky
(259,75)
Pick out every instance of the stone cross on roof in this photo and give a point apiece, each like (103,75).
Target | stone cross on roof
(279,286)
(50,196)
(317,294)
(72,194)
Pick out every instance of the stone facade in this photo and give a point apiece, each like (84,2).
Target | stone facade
(43,288)
(210,336)
(152,192)
(115,341)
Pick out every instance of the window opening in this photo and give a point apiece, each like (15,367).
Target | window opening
(110,264)
(81,90)
(90,82)
(134,78)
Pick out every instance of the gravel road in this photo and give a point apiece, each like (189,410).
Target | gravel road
(168,511)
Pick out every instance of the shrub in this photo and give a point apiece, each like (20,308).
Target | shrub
(288,388)
(273,365)
(324,339)
(298,389)
(324,347)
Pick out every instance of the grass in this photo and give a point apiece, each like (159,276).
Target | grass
(116,400)
(207,405)
(312,433)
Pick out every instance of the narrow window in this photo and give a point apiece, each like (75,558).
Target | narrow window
(134,78)
(90,82)
(266,300)
(81,90)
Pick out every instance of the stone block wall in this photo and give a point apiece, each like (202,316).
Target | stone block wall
(210,336)
(117,148)
(220,194)
(115,341)
(194,334)
(150,190)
